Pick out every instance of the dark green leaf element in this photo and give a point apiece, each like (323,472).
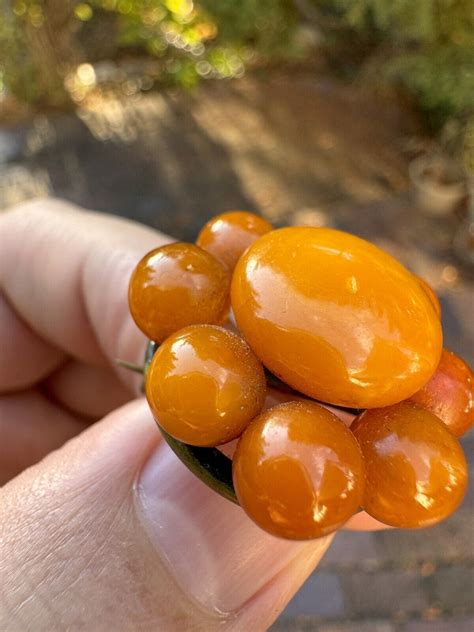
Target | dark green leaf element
(208,464)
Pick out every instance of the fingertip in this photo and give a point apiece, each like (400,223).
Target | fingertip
(363,522)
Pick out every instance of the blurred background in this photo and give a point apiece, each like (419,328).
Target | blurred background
(356,114)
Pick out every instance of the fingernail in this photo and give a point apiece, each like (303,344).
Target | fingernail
(217,555)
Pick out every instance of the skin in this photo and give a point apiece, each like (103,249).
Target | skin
(77,550)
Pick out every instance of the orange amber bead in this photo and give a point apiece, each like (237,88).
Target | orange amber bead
(298,471)
(416,473)
(177,285)
(205,385)
(228,235)
(335,317)
(431,293)
(449,394)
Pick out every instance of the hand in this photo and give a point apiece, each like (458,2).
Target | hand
(108,531)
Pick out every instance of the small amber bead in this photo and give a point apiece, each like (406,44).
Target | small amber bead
(431,293)
(177,285)
(228,235)
(416,472)
(449,394)
(205,385)
(335,317)
(298,471)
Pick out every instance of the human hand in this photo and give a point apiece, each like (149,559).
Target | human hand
(109,531)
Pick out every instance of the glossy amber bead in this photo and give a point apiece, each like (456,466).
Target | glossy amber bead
(177,285)
(335,317)
(416,473)
(298,471)
(228,235)
(205,385)
(449,394)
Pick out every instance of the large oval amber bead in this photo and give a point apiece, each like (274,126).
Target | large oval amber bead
(335,317)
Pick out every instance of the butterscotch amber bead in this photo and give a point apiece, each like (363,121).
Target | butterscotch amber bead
(416,473)
(335,317)
(177,285)
(449,394)
(228,235)
(298,471)
(205,385)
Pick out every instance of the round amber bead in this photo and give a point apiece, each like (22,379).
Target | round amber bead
(335,317)
(298,471)
(416,473)
(177,285)
(228,235)
(205,385)
(449,394)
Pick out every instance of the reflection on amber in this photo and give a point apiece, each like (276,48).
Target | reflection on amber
(298,471)
(335,317)
(416,473)
(177,285)
(449,394)
(228,235)
(205,385)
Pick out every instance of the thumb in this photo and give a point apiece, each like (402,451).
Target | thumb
(111,532)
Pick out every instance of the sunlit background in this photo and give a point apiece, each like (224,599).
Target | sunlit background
(356,114)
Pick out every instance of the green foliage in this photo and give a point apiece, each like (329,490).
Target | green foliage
(428,47)
(268,25)
(192,40)
(16,71)
(424,45)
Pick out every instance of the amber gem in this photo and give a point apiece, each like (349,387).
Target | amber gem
(416,472)
(228,235)
(177,285)
(298,471)
(449,393)
(205,385)
(335,317)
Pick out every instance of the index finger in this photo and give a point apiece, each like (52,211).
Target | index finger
(64,273)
